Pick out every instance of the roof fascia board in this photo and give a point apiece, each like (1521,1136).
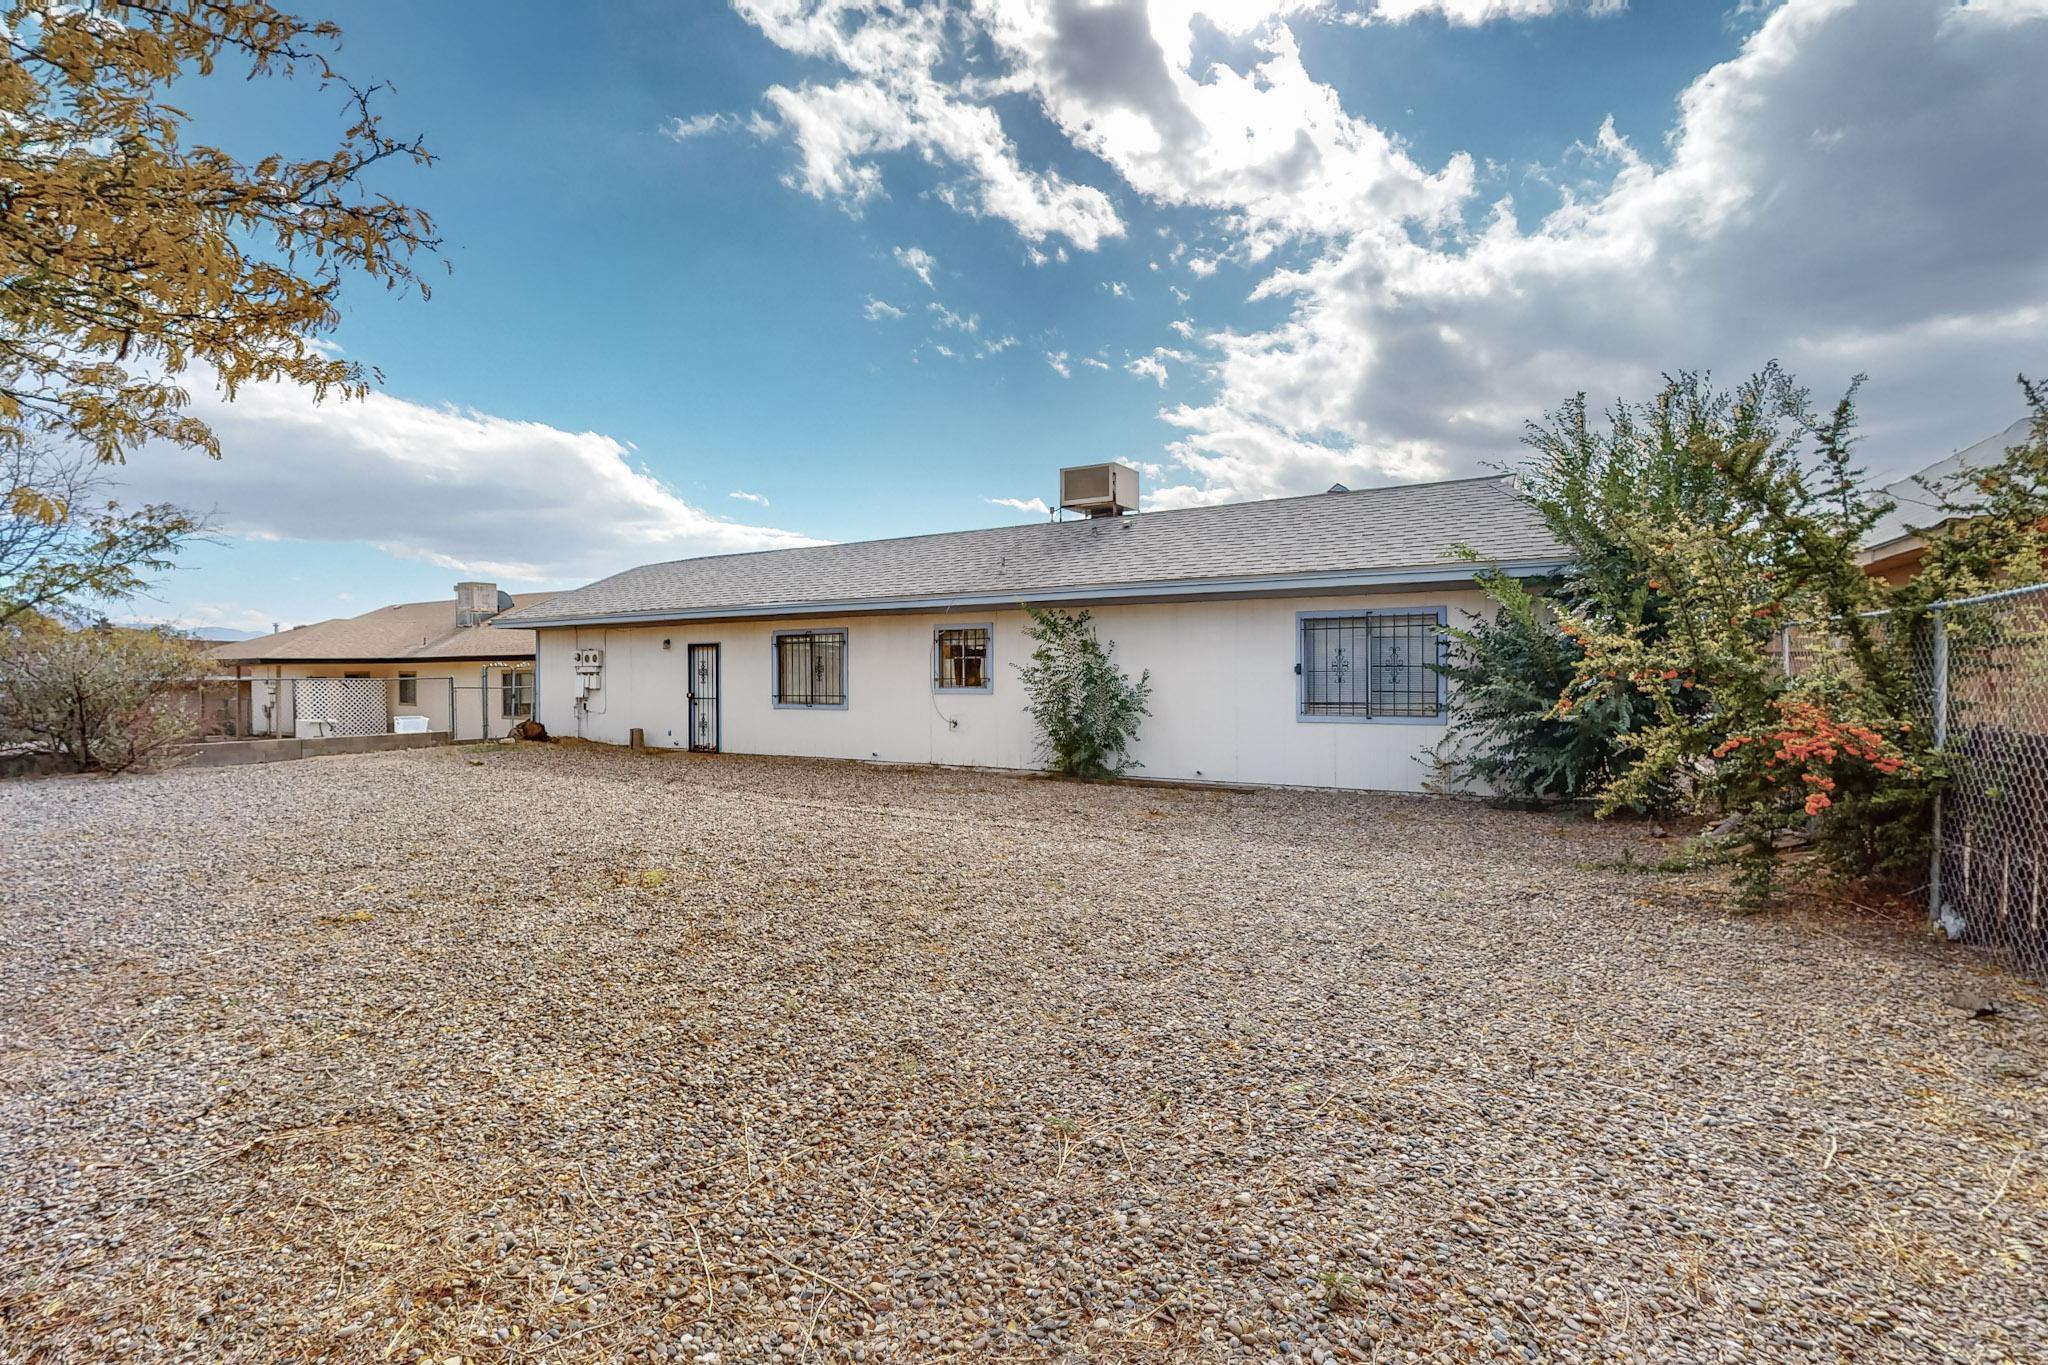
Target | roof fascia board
(1182,588)
(494,657)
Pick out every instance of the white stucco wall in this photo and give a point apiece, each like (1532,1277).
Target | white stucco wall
(1223,700)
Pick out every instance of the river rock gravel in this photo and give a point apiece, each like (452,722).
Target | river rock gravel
(554,1052)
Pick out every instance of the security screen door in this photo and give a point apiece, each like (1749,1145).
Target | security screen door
(704,698)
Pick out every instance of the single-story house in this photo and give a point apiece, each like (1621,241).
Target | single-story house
(1289,641)
(436,662)
(1893,548)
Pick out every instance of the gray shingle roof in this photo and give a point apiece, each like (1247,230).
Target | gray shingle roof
(1919,508)
(1374,534)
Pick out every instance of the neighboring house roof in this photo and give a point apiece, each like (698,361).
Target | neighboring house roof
(407,631)
(1919,509)
(1379,536)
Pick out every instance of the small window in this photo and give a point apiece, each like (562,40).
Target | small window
(518,694)
(408,689)
(962,658)
(810,668)
(1372,666)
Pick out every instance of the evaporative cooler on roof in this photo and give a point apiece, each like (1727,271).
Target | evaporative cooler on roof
(1100,490)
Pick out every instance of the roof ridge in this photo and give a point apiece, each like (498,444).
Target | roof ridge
(1372,530)
(1029,525)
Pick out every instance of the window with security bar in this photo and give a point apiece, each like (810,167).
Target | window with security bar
(810,668)
(1372,666)
(962,653)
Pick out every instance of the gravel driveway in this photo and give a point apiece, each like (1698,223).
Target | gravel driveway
(565,1053)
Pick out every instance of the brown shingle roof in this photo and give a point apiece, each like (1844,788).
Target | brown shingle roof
(404,631)
(1379,533)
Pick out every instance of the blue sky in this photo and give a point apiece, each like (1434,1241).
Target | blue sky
(879,266)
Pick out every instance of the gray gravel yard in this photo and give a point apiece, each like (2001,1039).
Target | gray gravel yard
(555,1052)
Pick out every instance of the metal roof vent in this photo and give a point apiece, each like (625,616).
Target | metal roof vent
(1100,490)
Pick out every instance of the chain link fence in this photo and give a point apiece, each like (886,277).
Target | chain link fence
(320,708)
(1982,667)
(1990,710)
(493,708)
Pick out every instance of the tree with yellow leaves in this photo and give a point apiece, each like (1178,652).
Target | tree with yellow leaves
(128,257)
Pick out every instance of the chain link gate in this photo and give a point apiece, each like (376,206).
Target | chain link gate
(1989,670)
(490,707)
(1982,668)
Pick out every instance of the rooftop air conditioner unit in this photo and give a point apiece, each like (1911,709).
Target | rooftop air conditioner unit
(476,603)
(1100,490)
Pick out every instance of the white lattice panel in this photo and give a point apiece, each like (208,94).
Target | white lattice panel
(341,706)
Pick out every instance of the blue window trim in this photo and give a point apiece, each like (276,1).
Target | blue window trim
(1301,715)
(845,671)
(988,665)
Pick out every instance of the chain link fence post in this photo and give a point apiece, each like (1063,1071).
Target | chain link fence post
(1940,681)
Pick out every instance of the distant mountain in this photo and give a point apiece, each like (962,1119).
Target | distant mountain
(210,634)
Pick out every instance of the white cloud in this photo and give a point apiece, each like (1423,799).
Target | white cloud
(918,262)
(520,502)
(1850,191)
(877,310)
(1117,289)
(1149,367)
(1183,328)
(1750,238)
(946,317)
(683,129)
(994,346)
(1092,363)
(757,499)
(894,99)
(1058,360)
(1469,13)
(1998,11)
(1035,506)
(1269,147)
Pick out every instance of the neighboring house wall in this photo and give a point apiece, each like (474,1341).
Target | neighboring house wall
(1224,692)
(452,696)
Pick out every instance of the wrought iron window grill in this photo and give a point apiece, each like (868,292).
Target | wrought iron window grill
(1377,664)
(962,658)
(810,668)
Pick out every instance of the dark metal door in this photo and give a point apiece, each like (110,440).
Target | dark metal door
(704,698)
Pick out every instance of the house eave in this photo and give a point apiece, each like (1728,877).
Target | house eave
(1179,590)
(498,656)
